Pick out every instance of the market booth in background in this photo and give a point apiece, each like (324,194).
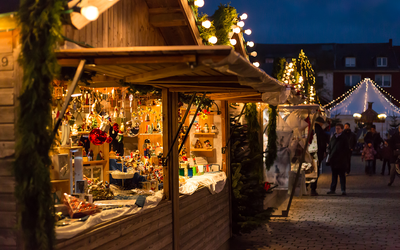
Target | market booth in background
(129,149)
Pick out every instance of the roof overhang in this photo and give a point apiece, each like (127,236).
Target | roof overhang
(214,69)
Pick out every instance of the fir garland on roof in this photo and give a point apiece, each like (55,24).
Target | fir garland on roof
(40,25)
(224,18)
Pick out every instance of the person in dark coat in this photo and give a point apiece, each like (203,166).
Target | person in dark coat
(376,140)
(352,143)
(387,156)
(338,150)
(322,142)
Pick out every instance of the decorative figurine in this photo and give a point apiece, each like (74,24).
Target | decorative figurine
(207,144)
(214,128)
(206,130)
(198,144)
(198,128)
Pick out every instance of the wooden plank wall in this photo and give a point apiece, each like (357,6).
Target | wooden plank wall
(204,220)
(151,229)
(10,82)
(123,25)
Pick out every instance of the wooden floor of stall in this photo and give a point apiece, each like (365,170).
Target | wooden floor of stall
(204,224)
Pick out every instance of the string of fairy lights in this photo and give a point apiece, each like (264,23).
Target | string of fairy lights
(351,91)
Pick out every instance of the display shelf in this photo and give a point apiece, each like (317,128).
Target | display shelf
(205,134)
(201,149)
(101,162)
(59,181)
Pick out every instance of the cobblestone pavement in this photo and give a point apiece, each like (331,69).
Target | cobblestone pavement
(367,218)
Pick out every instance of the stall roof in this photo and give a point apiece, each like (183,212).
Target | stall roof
(215,69)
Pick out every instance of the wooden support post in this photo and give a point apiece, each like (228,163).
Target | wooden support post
(174,178)
(226,163)
(167,139)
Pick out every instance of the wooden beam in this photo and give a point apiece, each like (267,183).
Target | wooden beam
(179,69)
(167,20)
(164,10)
(126,60)
(145,60)
(200,79)
(174,178)
(188,13)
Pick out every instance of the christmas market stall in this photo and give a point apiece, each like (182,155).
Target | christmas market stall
(132,134)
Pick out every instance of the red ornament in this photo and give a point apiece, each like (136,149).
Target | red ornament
(116,127)
(97,137)
(109,139)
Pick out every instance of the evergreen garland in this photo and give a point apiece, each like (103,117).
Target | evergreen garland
(141,89)
(224,17)
(247,175)
(205,34)
(272,147)
(40,25)
(278,68)
(207,103)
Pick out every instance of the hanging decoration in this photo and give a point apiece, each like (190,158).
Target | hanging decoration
(39,24)
(272,147)
(141,89)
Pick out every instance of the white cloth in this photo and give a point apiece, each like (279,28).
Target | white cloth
(70,231)
(215,182)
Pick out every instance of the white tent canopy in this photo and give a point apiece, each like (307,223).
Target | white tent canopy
(357,101)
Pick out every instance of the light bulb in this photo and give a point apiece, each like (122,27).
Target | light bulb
(257,64)
(236,30)
(91,13)
(248,32)
(250,44)
(243,16)
(199,3)
(240,24)
(213,40)
(254,53)
(206,24)
(233,41)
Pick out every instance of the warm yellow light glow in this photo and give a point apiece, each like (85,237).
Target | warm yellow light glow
(243,16)
(233,41)
(91,13)
(248,32)
(250,44)
(77,92)
(382,116)
(254,53)
(206,24)
(240,24)
(213,39)
(257,64)
(357,115)
(199,3)
(236,30)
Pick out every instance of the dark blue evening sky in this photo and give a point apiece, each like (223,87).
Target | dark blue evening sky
(318,21)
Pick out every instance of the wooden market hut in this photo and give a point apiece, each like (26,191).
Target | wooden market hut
(151,42)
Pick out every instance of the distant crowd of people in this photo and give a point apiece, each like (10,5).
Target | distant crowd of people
(338,147)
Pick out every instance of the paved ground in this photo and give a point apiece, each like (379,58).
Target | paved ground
(367,218)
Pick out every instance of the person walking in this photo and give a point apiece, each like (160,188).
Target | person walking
(352,143)
(322,142)
(338,153)
(394,170)
(376,140)
(369,155)
(387,156)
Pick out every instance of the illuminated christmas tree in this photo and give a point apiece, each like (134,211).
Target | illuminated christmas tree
(307,78)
